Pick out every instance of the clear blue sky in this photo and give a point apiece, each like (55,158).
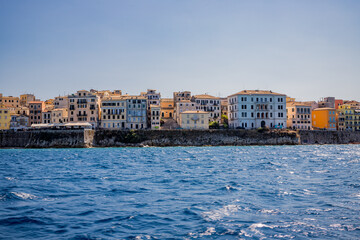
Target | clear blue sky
(307,49)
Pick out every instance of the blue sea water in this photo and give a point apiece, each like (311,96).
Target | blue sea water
(262,192)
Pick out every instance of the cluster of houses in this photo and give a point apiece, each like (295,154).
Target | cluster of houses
(247,109)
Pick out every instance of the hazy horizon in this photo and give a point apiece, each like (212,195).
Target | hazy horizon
(305,49)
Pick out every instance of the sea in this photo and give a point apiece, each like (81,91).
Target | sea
(249,192)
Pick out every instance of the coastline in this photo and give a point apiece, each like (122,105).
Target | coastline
(80,138)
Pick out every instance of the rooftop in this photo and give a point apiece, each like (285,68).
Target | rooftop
(257,92)
(205,96)
(199,112)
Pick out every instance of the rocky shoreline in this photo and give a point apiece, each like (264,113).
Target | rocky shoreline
(80,138)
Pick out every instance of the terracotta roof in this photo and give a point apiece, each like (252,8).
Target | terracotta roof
(36,102)
(319,109)
(299,104)
(205,96)
(257,92)
(193,112)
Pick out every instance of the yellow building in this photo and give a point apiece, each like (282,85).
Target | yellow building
(167,108)
(194,120)
(348,118)
(324,118)
(5,119)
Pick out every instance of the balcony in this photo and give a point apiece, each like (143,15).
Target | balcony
(81,101)
(81,115)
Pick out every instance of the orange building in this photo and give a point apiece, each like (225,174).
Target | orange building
(167,108)
(324,118)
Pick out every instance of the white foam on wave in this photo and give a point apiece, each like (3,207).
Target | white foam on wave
(23,195)
(209,231)
(254,227)
(218,214)
(9,178)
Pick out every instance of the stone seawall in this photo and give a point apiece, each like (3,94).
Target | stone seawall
(117,138)
(46,139)
(329,137)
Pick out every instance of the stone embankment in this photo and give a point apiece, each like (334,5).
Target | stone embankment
(117,138)
(46,139)
(329,137)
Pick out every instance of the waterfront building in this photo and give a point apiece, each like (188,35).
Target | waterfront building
(257,108)
(155,117)
(194,120)
(59,115)
(298,115)
(324,119)
(181,96)
(327,102)
(136,114)
(338,103)
(19,121)
(84,107)
(46,116)
(35,112)
(210,104)
(167,108)
(22,111)
(61,102)
(153,98)
(9,101)
(182,106)
(26,98)
(5,118)
(348,118)
(113,112)
(353,104)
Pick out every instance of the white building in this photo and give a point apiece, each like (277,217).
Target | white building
(208,104)
(155,117)
(257,108)
(182,106)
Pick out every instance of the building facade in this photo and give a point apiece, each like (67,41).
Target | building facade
(84,107)
(136,112)
(9,101)
(46,116)
(210,104)
(5,118)
(194,120)
(348,118)
(298,115)
(35,111)
(257,108)
(155,117)
(167,108)
(182,106)
(26,98)
(59,115)
(113,112)
(324,119)
(61,102)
